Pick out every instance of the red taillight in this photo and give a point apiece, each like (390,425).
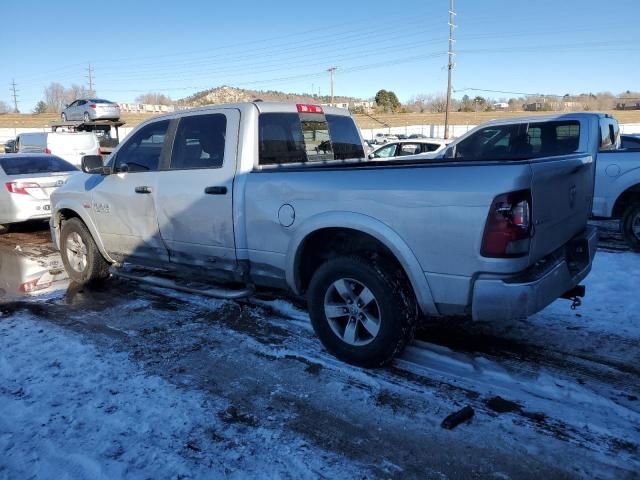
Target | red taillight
(507,232)
(99,151)
(93,105)
(46,150)
(305,108)
(20,187)
(33,286)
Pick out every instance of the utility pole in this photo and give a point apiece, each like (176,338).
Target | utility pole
(331,71)
(14,94)
(449,67)
(90,78)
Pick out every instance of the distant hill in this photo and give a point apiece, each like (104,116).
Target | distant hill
(226,94)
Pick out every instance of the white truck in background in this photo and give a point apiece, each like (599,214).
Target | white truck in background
(617,188)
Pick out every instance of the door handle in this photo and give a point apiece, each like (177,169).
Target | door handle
(215,190)
(143,189)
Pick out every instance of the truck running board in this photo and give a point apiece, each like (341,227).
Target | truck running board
(168,283)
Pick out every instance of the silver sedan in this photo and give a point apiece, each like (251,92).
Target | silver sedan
(26,182)
(88,109)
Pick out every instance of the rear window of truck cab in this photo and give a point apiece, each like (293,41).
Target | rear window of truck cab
(295,138)
(520,141)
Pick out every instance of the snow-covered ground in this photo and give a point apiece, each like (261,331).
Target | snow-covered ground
(131,381)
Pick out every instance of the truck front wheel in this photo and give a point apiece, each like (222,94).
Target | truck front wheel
(362,310)
(630,226)
(81,258)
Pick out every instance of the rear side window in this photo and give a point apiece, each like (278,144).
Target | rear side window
(429,147)
(142,152)
(35,165)
(609,134)
(287,138)
(199,142)
(345,138)
(521,141)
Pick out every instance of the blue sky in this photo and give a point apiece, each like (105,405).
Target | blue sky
(177,48)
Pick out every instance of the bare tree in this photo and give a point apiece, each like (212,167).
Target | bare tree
(77,91)
(434,103)
(154,99)
(4,107)
(54,97)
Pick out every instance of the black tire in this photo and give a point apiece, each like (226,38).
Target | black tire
(95,267)
(63,117)
(394,302)
(631,216)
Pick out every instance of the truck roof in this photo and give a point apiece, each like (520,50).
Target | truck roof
(547,118)
(262,107)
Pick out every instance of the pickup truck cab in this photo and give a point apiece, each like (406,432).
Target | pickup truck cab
(617,191)
(281,195)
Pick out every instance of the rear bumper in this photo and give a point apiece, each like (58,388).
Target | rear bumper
(24,210)
(529,292)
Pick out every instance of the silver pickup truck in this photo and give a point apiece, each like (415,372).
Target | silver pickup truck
(281,195)
(617,192)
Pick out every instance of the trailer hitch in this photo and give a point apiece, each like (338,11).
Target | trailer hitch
(575,295)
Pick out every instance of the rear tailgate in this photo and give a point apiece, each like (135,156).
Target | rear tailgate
(562,195)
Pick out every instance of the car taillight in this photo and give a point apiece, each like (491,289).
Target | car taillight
(20,187)
(46,150)
(99,151)
(33,286)
(93,105)
(507,232)
(305,108)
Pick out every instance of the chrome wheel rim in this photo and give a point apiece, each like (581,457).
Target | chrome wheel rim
(76,252)
(352,311)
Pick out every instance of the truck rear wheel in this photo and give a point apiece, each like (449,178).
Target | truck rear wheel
(81,258)
(630,226)
(363,311)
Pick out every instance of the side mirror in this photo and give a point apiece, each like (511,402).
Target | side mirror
(93,164)
(372,156)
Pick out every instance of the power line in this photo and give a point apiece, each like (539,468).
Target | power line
(15,96)
(469,89)
(450,64)
(356,68)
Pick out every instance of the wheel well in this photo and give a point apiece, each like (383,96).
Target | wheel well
(326,243)
(629,196)
(66,214)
